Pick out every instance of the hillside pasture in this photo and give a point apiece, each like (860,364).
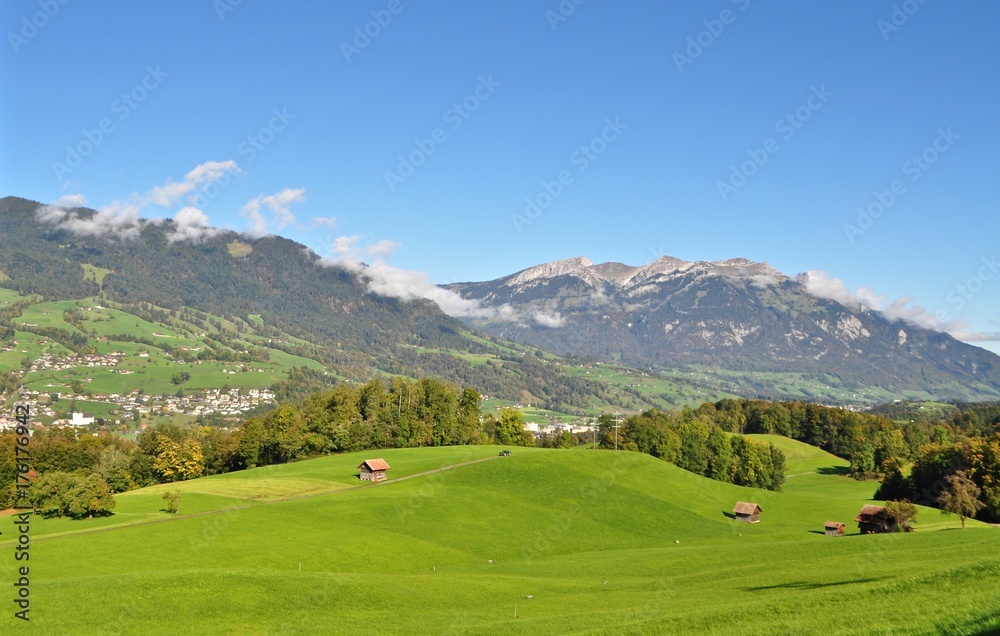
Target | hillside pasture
(591,542)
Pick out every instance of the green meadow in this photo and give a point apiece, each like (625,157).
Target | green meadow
(147,366)
(459,540)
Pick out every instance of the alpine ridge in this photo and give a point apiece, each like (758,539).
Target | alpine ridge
(736,315)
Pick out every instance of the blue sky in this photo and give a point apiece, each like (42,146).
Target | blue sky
(705,131)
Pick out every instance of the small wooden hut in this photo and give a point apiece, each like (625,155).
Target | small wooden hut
(747,512)
(834,528)
(873,520)
(373,470)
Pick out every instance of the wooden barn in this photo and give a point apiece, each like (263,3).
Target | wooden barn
(747,512)
(834,528)
(373,470)
(873,520)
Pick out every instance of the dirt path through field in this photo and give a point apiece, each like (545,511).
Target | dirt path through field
(261,503)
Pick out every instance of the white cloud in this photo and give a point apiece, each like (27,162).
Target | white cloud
(972,336)
(550,319)
(383,249)
(383,279)
(70,201)
(211,171)
(325,221)
(51,214)
(762,281)
(278,203)
(822,285)
(120,219)
(56,212)
(202,175)
(345,246)
(169,193)
(256,223)
(191,224)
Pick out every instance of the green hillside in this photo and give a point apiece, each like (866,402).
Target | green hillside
(587,542)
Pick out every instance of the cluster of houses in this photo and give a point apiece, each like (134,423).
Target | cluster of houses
(871,519)
(232,402)
(557,428)
(205,402)
(50,362)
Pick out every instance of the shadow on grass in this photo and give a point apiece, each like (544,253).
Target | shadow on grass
(802,585)
(729,514)
(834,470)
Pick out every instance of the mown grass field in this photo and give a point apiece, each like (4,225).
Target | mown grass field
(587,542)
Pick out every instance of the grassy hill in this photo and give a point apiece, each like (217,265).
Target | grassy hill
(588,542)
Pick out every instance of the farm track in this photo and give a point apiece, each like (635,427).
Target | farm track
(206,513)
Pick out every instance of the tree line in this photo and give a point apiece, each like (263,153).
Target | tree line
(694,442)
(868,441)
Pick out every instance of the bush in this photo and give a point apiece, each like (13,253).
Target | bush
(173,499)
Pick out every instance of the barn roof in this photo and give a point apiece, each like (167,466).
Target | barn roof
(833,524)
(375,464)
(744,508)
(868,510)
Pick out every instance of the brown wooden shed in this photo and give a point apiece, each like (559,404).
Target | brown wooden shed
(873,520)
(373,470)
(747,512)
(834,528)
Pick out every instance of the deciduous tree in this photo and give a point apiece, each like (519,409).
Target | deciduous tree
(961,497)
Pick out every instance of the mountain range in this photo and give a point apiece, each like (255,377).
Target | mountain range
(735,314)
(706,328)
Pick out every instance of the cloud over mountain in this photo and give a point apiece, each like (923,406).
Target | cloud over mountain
(383,279)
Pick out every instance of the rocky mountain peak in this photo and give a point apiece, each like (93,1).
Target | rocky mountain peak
(578,266)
